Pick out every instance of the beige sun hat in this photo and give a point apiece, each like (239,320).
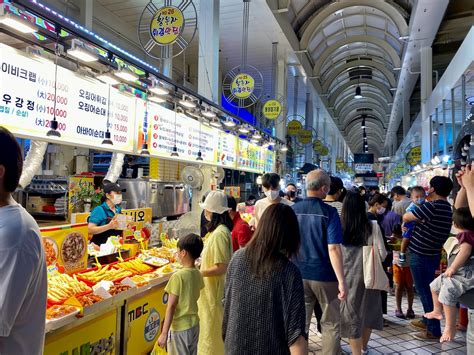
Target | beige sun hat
(215,202)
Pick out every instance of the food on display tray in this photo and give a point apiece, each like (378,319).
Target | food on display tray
(73,248)
(63,286)
(116,289)
(50,250)
(155,261)
(166,269)
(140,280)
(89,300)
(162,252)
(60,311)
(136,266)
(104,273)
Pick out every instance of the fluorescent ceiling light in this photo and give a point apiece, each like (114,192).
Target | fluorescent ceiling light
(284,148)
(403,37)
(126,75)
(108,79)
(358,93)
(158,90)
(257,135)
(17,23)
(82,54)
(397,68)
(158,100)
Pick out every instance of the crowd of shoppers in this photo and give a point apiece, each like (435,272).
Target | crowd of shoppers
(256,289)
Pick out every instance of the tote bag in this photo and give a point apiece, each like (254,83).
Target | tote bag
(374,274)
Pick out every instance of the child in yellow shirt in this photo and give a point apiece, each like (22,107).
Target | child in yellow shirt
(183,288)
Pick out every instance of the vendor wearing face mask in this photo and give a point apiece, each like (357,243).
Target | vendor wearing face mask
(103,219)
(292,193)
(271,189)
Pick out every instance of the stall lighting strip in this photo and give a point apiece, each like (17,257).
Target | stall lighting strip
(104,53)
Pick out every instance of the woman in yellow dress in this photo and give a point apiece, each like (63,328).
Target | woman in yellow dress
(215,258)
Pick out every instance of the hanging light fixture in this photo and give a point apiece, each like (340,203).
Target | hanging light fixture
(363,122)
(53,132)
(174,152)
(108,79)
(243,129)
(257,135)
(144,150)
(156,99)
(358,93)
(284,148)
(126,74)
(215,122)
(16,23)
(208,113)
(229,122)
(159,90)
(199,154)
(107,139)
(188,102)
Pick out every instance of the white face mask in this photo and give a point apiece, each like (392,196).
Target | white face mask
(117,199)
(381,210)
(272,195)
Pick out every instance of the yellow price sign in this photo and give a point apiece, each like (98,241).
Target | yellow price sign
(271,109)
(242,86)
(305,136)
(167,25)
(294,127)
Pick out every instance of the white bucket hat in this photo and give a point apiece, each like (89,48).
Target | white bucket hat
(215,202)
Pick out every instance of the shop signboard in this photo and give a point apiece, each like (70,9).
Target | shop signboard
(27,104)
(98,336)
(189,135)
(166,25)
(143,321)
(227,150)
(294,127)
(363,167)
(413,156)
(271,109)
(242,86)
(249,157)
(66,246)
(305,136)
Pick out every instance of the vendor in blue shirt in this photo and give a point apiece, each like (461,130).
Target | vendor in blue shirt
(103,219)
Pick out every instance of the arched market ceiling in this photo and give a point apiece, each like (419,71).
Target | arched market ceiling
(354,43)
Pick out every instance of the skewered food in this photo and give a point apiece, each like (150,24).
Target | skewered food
(63,286)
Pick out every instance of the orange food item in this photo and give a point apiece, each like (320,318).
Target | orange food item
(116,289)
(89,300)
(59,311)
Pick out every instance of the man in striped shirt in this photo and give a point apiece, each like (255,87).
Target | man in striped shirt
(434,219)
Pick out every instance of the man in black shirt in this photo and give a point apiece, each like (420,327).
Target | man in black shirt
(434,219)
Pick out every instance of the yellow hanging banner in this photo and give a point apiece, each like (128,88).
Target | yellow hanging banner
(305,136)
(414,156)
(294,127)
(167,25)
(271,109)
(242,86)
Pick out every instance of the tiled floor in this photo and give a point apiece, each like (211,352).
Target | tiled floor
(397,338)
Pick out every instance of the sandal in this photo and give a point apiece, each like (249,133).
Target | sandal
(410,314)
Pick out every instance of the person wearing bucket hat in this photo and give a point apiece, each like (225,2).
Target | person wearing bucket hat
(214,260)
(103,219)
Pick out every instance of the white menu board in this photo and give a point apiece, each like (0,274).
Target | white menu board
(27,104)
(227,150)
(189,136)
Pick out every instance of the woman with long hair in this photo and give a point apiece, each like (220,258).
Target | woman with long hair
(362,310)
(215,258)
(264,311)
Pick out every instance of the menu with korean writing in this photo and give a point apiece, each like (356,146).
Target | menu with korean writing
(27,98)
(227,150)
(269,162)
(189,136)
(249,157)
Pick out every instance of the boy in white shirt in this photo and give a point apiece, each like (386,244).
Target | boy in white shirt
(23,280)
